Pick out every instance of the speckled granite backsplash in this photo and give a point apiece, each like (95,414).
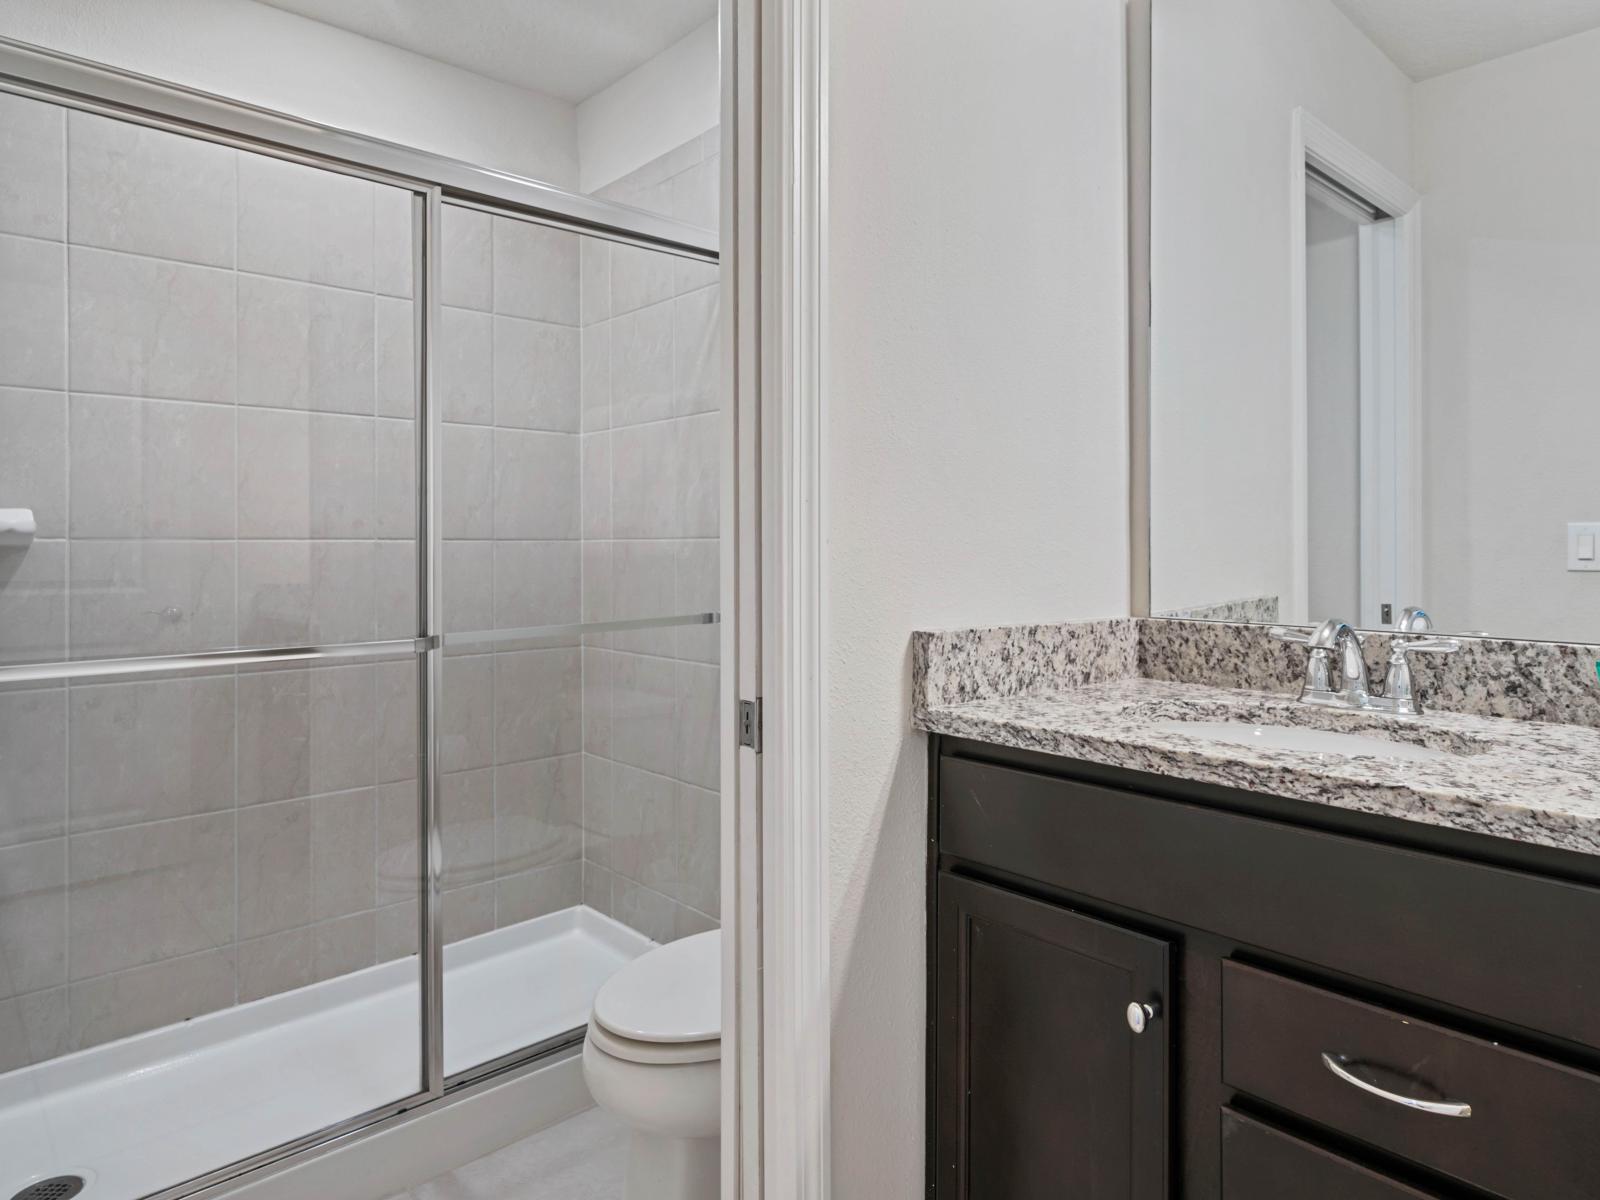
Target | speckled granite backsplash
(1528,681)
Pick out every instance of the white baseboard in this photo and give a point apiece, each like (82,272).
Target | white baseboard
(401,1156)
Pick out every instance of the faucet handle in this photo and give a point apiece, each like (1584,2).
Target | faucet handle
(1400,694)
(1286,633)
(1402,646)
(1413,620)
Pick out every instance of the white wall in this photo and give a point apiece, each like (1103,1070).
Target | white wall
(1508,159)
(1228,76)
(277,60)
(655,108)
(976,445)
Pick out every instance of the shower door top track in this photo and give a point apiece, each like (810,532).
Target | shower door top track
(43,74)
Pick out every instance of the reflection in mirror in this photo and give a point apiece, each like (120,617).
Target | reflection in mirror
(1375,277)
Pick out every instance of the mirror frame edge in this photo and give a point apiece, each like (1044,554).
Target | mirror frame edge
(1138,58)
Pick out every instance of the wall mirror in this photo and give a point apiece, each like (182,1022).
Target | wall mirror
(1374,369)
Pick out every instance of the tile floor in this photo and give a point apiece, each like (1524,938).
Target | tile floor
(581,1158)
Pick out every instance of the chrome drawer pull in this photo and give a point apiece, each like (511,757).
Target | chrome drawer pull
(1443,1108)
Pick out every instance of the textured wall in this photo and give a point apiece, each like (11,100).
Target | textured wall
(975,446)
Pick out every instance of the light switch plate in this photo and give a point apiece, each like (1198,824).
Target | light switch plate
(1583,546)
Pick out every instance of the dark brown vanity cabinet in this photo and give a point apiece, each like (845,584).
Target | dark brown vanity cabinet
(1050,1022)
(1141,989)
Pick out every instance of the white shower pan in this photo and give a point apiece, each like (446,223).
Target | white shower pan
(151,1111)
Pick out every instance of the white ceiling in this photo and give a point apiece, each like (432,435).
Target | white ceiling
(570,49)
(1425,38)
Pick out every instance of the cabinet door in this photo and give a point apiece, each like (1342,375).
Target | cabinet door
(1043,1089)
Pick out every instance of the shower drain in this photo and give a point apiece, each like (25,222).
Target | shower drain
(59,1187)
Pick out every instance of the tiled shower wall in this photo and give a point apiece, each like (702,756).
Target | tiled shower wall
(206,392)
(651,399)
(511,802)
(206,389)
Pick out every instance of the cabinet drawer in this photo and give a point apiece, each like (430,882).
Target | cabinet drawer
(1505,944)
(1530,1133)
(1263,1163)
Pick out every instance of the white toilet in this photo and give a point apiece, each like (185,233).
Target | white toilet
(653,1060)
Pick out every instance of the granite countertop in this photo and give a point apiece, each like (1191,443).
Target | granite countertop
(1534,781)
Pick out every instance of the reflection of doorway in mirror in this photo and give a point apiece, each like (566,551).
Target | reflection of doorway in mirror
(1353,486)
(1352,403)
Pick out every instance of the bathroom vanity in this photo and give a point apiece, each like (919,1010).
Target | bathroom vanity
(1162,964)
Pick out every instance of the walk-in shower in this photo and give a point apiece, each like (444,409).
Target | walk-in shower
(359,680)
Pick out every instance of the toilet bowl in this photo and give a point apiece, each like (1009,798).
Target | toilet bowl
(652,1058)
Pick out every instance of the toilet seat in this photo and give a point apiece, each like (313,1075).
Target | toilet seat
(652,1054)
(668,997)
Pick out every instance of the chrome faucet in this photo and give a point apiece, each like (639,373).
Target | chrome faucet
(1335,644)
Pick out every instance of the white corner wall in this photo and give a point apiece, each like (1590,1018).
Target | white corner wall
(281,61)
(1228,76)
(656,107)
(976,445)
(1508,160)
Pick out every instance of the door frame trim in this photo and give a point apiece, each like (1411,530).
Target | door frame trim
(778,69)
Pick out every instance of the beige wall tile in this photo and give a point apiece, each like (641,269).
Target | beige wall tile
(149,997)
(534,894)
(594,279)
(150,750)
(466,713)
(33,603)
(33,768)
(538,697)
(274,871)
(299,222)
(394,358)
(33,1028)
(33,292)
(465,373)
(393,240)
(536,375)
(538,813)
(151,597)
(467,471)
(641,365)
(33,147)
(464,258)
(146,191)
(33,917)
(150,892)
(33,453)
(535,271)
(535,485)
(151,468)
(302,346)
(537,583)
(146,327)
(344,848)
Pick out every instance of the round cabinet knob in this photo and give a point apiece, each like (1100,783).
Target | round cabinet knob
(1140,1015)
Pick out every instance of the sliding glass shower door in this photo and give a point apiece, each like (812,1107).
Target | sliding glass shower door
(359,705)
(577,379)
(208,859)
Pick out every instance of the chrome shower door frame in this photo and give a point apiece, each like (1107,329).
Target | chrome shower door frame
(433,180)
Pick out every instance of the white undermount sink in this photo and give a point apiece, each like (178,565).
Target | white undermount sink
(1305,741)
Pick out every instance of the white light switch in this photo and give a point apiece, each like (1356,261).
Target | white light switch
(1583,546)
